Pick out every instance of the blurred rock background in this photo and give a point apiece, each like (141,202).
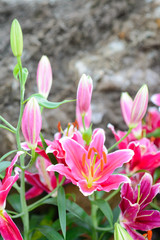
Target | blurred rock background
(116,42)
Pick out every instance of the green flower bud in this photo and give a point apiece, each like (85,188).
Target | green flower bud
(120,233)
(87,135)
(16,38)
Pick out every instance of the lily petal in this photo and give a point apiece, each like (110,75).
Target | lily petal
(74,155)
(114,160)
(8,229)
(63,170)
(147,220)
(84,188)
(113,182)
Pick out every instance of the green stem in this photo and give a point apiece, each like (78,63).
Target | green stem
(83,121)
(25,217)
(112,194)
(94,218)
(8,124)
(101,229)
(115,145)
(6,128)
(32,158)
(39,202)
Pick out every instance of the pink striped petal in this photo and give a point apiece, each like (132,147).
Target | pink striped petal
(126,103)
(130,211)
(63,170)
(97,142)
(74,155)
(84,93)
(147,220)
(44,76)
(33,192)
(85,189)
(135,235)
(31,123)
(5,188)
(113,182)
(8,229)
(114,160)
(139,106)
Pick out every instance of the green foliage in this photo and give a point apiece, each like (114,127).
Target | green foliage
(43,102)
(61,200)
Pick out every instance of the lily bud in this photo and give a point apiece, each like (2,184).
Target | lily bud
(16,38)
(139,106)
(44,76)
(84,93)
(126,103)
(120,233)
(31,123)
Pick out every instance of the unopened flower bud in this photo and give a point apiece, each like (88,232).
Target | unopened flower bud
(44,76)
(16,38)
(139,106)
(84,93)
(120,233)
(31,123)
(134,110)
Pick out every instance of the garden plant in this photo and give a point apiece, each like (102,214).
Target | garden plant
(77,155)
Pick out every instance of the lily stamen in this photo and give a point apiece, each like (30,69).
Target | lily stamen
(104,157)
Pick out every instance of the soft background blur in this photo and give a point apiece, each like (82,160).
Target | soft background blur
(116,42)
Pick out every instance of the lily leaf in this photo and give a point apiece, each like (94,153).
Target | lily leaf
(43,102)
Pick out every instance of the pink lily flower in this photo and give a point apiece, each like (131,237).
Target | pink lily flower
(134,201)
(91,169)
(156,99)
(44,76)
(146,156)
(43,180)
(152,123)
(134,110)
(31,123)
(84,94)
(8,229)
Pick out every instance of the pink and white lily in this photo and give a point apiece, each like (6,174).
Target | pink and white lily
(84,93)
(146,156)
(134,110)
(44,76)
(8,229)
(31,123)
(134,201)
(91,168)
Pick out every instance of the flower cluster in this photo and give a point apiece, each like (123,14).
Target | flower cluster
(77,155)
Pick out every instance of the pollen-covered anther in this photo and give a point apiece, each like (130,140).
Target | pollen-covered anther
(152,139)
(102,165)
(75,124)
(59,127)
(104,157)
(83,159)
(92,171)
(148,235)
(94,150)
